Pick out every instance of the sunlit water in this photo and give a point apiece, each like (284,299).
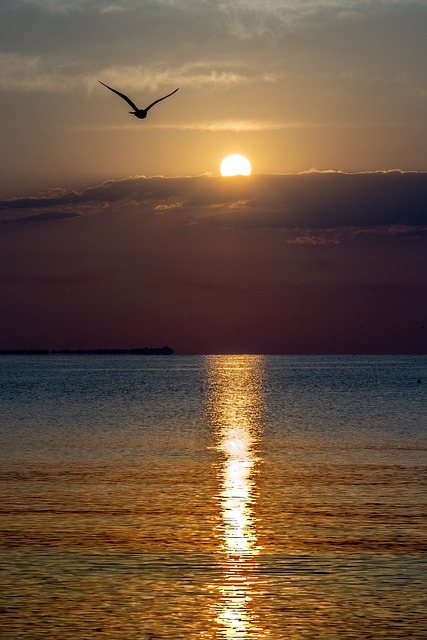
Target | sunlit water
(214,497)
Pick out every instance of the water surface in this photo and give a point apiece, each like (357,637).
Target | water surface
(214,497)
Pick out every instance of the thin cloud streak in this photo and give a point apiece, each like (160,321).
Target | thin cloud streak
(51,73)
(23,72)
(242,126)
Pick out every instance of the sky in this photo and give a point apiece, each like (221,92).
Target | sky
(119,232)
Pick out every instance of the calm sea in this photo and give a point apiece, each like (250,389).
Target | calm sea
(219,497)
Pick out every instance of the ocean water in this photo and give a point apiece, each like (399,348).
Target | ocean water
(217,497)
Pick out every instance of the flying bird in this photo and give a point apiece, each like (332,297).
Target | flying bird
(138,113)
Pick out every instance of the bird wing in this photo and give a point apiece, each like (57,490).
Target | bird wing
(122,95)
(160,99)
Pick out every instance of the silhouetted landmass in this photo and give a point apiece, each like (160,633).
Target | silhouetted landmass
(141,351)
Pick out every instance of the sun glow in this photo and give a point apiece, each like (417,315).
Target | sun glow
(235,165)
(235,403)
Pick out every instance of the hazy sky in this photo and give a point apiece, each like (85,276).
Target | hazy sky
(120,232)
(293,84)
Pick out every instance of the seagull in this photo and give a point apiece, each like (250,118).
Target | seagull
(138,113)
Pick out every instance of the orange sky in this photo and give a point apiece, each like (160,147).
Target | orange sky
(292,84)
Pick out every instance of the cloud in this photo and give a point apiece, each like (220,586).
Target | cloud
(197,74)
(161,208)
(314,208)
(52,73)
(309,239)
(348,234)
(20,72)
(113,8)
(41,216)
(299,42)
(228,125)
(65,7)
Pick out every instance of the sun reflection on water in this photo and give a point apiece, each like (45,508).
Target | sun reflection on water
(235,412)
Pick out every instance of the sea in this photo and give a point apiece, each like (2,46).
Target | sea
(213,497)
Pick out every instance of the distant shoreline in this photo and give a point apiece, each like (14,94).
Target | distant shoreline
(140,351)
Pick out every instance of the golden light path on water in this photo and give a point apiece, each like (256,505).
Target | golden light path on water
(235,412)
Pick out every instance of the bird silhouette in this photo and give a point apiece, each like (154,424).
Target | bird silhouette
(138,113)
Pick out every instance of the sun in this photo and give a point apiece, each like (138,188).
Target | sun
(235,165)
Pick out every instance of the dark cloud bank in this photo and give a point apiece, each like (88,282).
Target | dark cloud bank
(314,200)
(307,263)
